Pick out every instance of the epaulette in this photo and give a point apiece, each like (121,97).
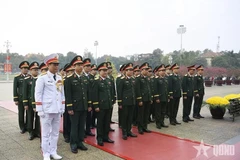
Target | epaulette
(171,74)
(122,77)
(156,77)
(18,75)
(119,75)
(27,77)
(196,75)
(186,74)
(138,75)
(96,77)
(69,75)
(34,77)
(42,74)
(152,77)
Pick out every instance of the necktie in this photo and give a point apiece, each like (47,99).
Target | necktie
(54,77)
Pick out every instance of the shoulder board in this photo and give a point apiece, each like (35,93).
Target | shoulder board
(42,74)
(196,75)
(171,74)
(156,77)
(138,75)
(96,77)
(18,75)
(34,77)
(152,76)
(186,74)
(69,75)
(27,77)
(122,77)
(119,75)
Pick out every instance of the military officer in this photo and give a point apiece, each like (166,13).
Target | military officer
(69,70)
(152,81)
(86,73)
(136,74)
(122,73)
(126,100)
(198,92)
(18,95)
(187,89)
(27,101)
(168,72)
(114,96)
(92,75)
(43,68)
(174,87)
(160,96)
(144,98)
(77,100)
(50,101)
(102,103)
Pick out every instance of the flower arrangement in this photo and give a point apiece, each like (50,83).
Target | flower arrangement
(232,96)
(216,101)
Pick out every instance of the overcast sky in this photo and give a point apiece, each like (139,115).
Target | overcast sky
(121,27)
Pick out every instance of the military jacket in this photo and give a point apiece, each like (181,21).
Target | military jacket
(102,93)
(27,86)
(33,91)
(187,85)
(198,84)
(114,96)
(143,89)
(174,85)
(126,91)
(77,93)
(161,89)
(152,80)
(18,87)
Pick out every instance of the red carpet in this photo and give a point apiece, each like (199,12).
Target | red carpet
(150,146)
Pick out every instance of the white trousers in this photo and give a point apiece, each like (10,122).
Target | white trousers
(50,125)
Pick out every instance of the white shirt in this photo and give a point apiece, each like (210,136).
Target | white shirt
(49,94)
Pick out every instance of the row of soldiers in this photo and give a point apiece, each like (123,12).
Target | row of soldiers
(139,92)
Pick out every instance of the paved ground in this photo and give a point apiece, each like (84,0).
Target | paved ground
(14,145)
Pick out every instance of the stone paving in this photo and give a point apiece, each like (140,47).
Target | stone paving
(16,146)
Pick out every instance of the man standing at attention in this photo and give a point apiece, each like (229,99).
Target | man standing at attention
(50,105)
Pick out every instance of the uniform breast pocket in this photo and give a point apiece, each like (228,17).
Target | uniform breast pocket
(75,83)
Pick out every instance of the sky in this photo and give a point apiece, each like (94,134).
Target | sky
(122,27)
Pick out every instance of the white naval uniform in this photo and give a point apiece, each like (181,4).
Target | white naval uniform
(49,102)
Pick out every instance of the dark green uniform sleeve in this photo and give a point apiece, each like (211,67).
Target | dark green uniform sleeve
(138,91)
(170,87)
(195,85)
(68,94)
(184,85)
(120,91)
(25,92)
(156,85)
(15,90)
(32,93)
(95,101)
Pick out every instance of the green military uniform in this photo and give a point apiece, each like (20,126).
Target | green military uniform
(18,97)
(135,111)
(161,93)
(144,95)
(77,97)
(94,116)
(174,87)
(152,106)
(126,99)
(27,101)
(198,90)
(102,99)
(187,88)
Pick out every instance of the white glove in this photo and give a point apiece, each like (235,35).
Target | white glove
(41,114)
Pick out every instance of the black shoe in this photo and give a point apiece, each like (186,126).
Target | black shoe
(31,137)
(22,131)
(140,132)
(100,143)
(111,130)
(173,123)
(74,150)
(189,119)
(108,140)
(90,133)
(185,120)
(200,116)
(177,122)
(124,137)
(159,127)
(82,147)
(163,125)
(67,140)
(196,117)
(131,134)
(147,131)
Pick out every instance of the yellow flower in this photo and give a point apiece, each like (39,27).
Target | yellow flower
(217,101)
(232,96)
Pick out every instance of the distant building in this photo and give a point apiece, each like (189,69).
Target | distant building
(209,57)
